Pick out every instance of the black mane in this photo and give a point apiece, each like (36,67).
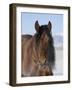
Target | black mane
(51,52)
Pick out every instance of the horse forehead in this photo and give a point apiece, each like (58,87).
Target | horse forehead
(44,27)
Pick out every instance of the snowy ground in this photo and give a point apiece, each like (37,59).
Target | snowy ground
(58,70)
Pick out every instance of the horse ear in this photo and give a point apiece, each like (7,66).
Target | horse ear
(49,26)
(37,26)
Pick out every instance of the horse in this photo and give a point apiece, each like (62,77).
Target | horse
(38,53)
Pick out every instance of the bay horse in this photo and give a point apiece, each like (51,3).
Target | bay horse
(38,53)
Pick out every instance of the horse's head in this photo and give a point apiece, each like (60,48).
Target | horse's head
(45,41)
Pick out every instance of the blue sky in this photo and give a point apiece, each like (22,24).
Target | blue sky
(28,21)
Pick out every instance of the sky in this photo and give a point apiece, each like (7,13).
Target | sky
(28,21)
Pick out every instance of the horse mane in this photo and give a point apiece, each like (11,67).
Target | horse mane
(51,52)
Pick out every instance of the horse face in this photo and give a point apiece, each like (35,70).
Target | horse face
(45,40)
